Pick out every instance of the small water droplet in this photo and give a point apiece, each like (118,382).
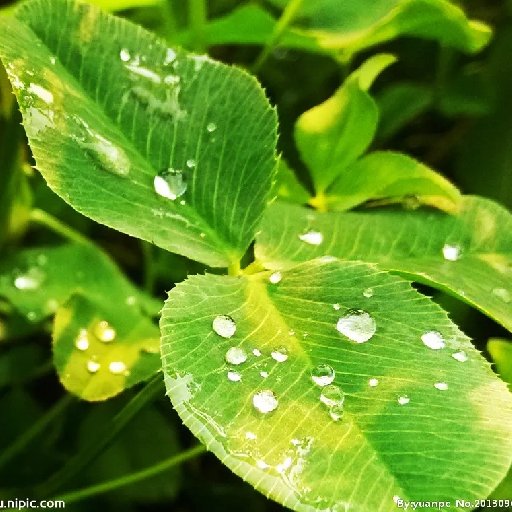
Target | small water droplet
(170,56)
(265,401)
(373,382)
(42,259)
(251,435)
(202,235)
(323,375)
(117,367)
(131,300)
(433,340)
(411,202)
(256,352)
(170,184)
(82,340)
(236,355)
(442,386)
(280,354)
(191,163)
(104,331)
(211,127)
(336,412)
(53,60)
(224,326)
(93,366)
(403,400)
(336,307)
(502,294)
(332,396)
(30,280)
(263,375)
(460,356)
(357,325)
(262,464)
(291,332)
(32,316)
(368,293)
(451,252)
(312,237)
(234,376)
(275,277)
(125,55)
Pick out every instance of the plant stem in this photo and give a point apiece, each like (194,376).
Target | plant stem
(51,222)
(197,21)
(97,444)
(131,478)
(36,429)
(282,24)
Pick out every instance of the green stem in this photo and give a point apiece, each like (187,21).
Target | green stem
(132,478)
(197,20)
(35,430)
(97,444)
(51,222)
(282,24)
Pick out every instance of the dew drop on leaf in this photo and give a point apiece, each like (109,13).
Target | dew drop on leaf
(403,400)
(373,382)
(442,386)
(322,375)
(93,366)
(234,376)
(312,237)
(368,293)
(332,395)
(263,375)
(460,356)
(451,252)
(30,280)
(336,412)
(224,326)
(191,163)
(357,325)
(211,127)
(236,355)
(502,294)
(82,340)
(256,352)
(280,354)
(433,340)
(125,55)
(170,183)
(251,436)
(104,332)
(117,367)
(336,307)
(265,401)
(275,277)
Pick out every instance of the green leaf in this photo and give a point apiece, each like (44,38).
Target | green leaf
(335,133)
(288,187)
(501,353)
(411,243)
(386,174)
(112,107)
(101,348)
(119,5)
(393,440)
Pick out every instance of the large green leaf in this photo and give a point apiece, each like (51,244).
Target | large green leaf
(107,107)
(249,394)
(468,255)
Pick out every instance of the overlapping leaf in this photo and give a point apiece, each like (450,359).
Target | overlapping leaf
(250,397)
(468,255)
(107,107)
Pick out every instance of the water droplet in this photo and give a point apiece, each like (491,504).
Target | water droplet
(251,435)
(256,352)
(280,354)
(411,202)
(42,259)
(263,375)
(32,316)
(30,280)
(202,235)
(460,356)
(82,340)
(234,376)
(41,93)
(403,400)
(332,396)
(291,332)
(125,55)
(368,293)
(433,340)
(373,382)
(93,366)
(104,331)
(117,367)
(211,127)
(275,277)
(53,60)
(170,184)
(336,412)
(357,325)
(265,401)
(502,294)
(224,326)
(236,355)
(262,464)
(442,386)
(322,375)
(336,307)
(312,237)
(131,300)
(191,163)
(451,252)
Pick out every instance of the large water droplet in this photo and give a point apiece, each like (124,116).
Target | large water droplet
(433,340)
(82,340)
(280,354)
(357,325)
(93,366)
(460,356)
(234,376)
(275,277)
(502,294)
(170,184)
(224,326)
(236,355)
(265,401)
(451,252)
(332,396)
(442,386)
(312,237)
(323,375)
(30,280)
(403,400)
(104,331)
(117,367)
